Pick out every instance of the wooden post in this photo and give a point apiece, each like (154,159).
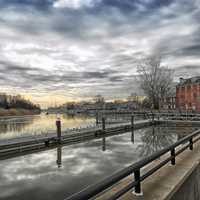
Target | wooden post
(58,125)
(103,124)
(153,118)
(132,128)
(97,118)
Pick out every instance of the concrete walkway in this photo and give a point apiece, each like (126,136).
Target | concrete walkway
(167,182)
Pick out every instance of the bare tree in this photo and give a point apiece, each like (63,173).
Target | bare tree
(99,99)
(155,80)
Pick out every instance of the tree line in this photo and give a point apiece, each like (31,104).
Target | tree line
(17,102)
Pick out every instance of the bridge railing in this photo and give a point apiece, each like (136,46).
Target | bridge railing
(93,190)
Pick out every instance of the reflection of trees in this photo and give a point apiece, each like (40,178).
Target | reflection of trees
(155,140)
(14,126)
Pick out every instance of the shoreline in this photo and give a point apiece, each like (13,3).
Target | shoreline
(17,112)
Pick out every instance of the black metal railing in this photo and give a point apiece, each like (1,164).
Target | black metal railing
(96,189)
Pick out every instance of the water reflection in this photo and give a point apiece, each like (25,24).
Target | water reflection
(155,140)
(132,136)
(160,137)
(39,124)
(59,156)
(58,173)
(103,144)
(6,127)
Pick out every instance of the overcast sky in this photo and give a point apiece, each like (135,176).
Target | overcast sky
(61,50)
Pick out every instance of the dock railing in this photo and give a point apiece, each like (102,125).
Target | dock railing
(173,150)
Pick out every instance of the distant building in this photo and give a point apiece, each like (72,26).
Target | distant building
(168,103)
(188,94)
(2,97)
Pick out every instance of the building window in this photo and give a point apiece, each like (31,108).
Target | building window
(195,95)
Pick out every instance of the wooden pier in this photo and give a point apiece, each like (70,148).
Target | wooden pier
(103,129)
(37,143)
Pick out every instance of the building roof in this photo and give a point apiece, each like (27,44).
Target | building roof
(191,80)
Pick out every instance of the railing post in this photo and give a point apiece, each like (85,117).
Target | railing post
(58,125)
(132,128)
(137,191)
(191,144)
(173,160)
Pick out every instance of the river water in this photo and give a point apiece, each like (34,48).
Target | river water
(40,124)
(60,172)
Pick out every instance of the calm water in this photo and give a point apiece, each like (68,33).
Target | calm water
(39,124)
(58,173)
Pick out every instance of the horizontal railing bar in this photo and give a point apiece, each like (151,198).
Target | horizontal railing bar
(93,190)
(182,149)
(196,139)
(153,170)
(131,185)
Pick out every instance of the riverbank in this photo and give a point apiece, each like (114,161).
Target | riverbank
(17,112)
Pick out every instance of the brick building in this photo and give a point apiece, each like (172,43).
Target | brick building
(188,94)
(168,103)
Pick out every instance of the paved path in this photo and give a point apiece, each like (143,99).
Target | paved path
(166,183)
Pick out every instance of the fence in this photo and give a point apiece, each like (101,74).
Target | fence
(92,191)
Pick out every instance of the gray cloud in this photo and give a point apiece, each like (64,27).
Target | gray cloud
(86,50)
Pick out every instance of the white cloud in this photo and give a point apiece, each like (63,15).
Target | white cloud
(75,4)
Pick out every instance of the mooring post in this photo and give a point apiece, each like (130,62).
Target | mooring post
(132,128)
(103,124)
(152,117)
(58,125)
(97,118)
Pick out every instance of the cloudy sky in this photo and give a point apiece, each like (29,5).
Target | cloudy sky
(61,50)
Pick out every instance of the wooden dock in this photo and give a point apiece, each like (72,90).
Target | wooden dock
(29,144)
(37,143)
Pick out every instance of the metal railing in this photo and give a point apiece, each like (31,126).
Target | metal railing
(96,189)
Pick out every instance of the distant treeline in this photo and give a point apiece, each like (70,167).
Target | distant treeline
(16,102)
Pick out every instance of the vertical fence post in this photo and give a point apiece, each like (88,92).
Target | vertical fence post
(137,191)
(173,160)
(132,128)
(58,125)
(191,144)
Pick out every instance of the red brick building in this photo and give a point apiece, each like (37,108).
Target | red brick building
(188,94)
